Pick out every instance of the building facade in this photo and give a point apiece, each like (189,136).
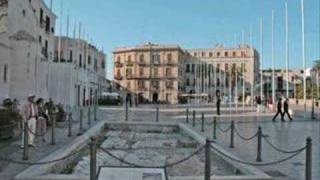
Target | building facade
(152,72)
(26,47)
(171,74)
(77,75)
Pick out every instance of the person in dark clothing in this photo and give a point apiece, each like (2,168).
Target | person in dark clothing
(218,102)
(279,111)
(128,99)
(286,109)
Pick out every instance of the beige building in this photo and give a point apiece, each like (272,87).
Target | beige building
(26,48)
(171,74)
(152,72)
(79,75)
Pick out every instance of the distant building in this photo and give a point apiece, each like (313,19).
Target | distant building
(171,74)
(26,48)
(77,76)
(280,81)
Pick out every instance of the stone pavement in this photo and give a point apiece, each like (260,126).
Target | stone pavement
(12,150)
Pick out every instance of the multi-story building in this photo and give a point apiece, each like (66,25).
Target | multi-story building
(26,47)
(152,72)
(227,70)
(149,70)
(77,75)
(280,81)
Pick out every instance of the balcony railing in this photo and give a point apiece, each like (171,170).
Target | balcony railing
(118,64)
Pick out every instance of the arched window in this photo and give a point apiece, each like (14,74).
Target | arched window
(141,58)
(169,57)
(226,54)
(218,54)
(210,54)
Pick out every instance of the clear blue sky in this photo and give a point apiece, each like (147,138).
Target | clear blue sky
(196,24)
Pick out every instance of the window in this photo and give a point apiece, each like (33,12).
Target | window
(203,54)
(218,54)
(168,71)
(141,84)
(128,85)
(129,58)
(243,54)
(210,54)
(128,72)
(141,58)
(156,59)
(47,24)
(194,54)
(5,72)
(188,68)
(141,72)
(70,56)
(118,59)
(155,84)
(169,58)
(80,60)
(226,54)
(89,59)
(41,16)
(234,54)
(218,68)
(187,82)
(155,72)
(193,68)
(102,64)
(169,84)
(40,39)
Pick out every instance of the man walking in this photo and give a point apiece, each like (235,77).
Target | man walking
(218,102)
(29,115)
(286,109)
(279,111)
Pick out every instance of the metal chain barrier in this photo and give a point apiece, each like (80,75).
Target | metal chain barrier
(141,166)
(224,130)
(281,150)
(258,164)
(245,138)
(35,134)
(40,163)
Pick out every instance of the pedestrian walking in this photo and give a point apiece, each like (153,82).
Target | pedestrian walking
(279,111)
(29,115)
(218,103)
(128,99)
(42,118)
(258,102)
(286,109)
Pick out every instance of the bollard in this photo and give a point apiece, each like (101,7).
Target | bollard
(207,170)
(214,127)
(25,142)
(187,115)
(53,126)
(232,135)
(95,113)
(193,118)
(308,175)
(259,141)
(93,159)
(89,116)
(69,125)
(202,122)
(126,111)
(157,114)
(81,122)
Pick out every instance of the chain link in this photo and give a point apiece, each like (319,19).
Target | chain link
(164,166)
(258,164)
(245,138)
(224,130)
(281,150)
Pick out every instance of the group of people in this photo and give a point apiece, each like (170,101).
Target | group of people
(282,109)
(36,114)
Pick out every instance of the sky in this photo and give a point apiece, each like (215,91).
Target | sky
(195,24)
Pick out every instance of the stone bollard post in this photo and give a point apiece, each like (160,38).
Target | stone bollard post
(214,127)
(187,115)
(69,125)
(53,126)
(93,159)
(232,135)
(126,111)
(157,114)
(207,170)
(308,170)
(95,112)
(25,142)
(193,118)
(202,122)
(259,142)
(89,116)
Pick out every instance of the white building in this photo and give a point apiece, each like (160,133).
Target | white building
(26,47)
(79,75)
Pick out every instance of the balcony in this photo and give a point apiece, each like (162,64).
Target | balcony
(118,64)
(143,63)
(118,77)
(129,63)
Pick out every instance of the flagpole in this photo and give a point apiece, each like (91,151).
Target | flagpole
(303,58)
(272,57)
(261,58)
(287,48)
